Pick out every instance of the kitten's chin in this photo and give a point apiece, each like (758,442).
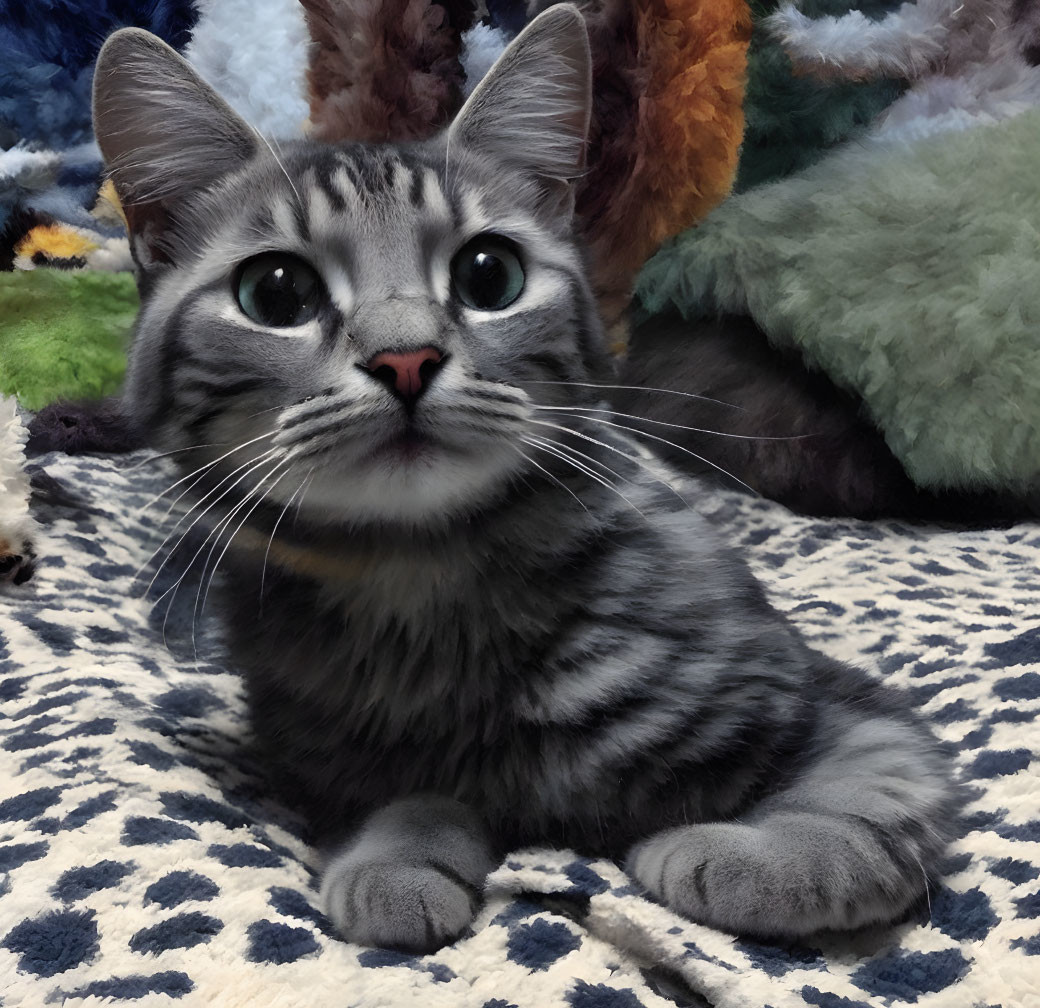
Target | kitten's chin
(410,481)
(409,449)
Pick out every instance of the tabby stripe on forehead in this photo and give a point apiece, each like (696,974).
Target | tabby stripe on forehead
(368,173)
(453,202)
(261,219)
(303,224)
(390,166)
(323,179)
(346,164)
(381,173)
(416,186)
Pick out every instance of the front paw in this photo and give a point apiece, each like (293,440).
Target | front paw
(725,876)
(415,908)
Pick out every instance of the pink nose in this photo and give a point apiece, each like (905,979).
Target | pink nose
(406,373)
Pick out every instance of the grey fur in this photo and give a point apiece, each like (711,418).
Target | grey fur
(523,631)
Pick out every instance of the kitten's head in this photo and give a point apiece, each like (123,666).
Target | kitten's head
(372,321)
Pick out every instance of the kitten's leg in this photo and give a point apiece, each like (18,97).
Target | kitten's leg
(411,877)
(850,842)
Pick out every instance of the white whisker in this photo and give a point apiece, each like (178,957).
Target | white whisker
(194,506)
(175,587)
(663,423)
(194,483)
(260,500)
(270,409)
(214,534)
(172,486)
(264,459)
(581,454)
(278,161)
(270,542)
(602,444)
(176,451)
(632,388)
(581,467)
(557,481)
(635,430)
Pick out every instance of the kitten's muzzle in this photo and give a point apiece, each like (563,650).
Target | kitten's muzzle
(407,374)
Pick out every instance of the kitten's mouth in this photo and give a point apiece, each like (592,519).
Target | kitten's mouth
(408,445)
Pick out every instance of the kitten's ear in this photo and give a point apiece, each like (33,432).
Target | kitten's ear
(163,131)
(532,109)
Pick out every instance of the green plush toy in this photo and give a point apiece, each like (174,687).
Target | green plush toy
(793,120)
(908,274)
(64,335)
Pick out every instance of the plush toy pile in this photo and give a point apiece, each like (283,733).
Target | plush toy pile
(904,264)
(667,124)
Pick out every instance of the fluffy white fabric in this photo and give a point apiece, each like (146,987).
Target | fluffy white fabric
(144,865)
(31,169)
(255,55)
(964,59)
(15,524)
(481,46)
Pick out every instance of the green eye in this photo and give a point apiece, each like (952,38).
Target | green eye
(277,289)
(487,273)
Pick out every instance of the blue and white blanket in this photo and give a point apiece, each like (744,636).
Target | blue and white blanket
(142,862)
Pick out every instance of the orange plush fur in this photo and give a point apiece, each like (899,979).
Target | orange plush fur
(667,124)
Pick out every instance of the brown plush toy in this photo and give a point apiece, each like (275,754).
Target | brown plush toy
(667,114)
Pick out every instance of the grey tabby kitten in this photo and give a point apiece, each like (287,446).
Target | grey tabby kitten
(470,615)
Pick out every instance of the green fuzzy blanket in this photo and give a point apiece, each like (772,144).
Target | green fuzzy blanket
(63,335)
(909,274)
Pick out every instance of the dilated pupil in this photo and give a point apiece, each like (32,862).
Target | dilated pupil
(277,298)
(489,279)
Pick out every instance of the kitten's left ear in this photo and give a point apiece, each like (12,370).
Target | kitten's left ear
(532,109)
(164,133)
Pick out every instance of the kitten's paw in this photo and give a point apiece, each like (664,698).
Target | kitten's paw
(727,876)
(16,562)
(416,908)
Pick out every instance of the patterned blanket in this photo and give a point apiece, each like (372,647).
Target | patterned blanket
(142,862)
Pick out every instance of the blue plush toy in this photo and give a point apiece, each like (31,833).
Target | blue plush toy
(47,52)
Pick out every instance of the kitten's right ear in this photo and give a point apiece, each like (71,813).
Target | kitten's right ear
(532,109)
(163,131)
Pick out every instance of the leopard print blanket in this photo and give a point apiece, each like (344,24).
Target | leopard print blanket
(141,861)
